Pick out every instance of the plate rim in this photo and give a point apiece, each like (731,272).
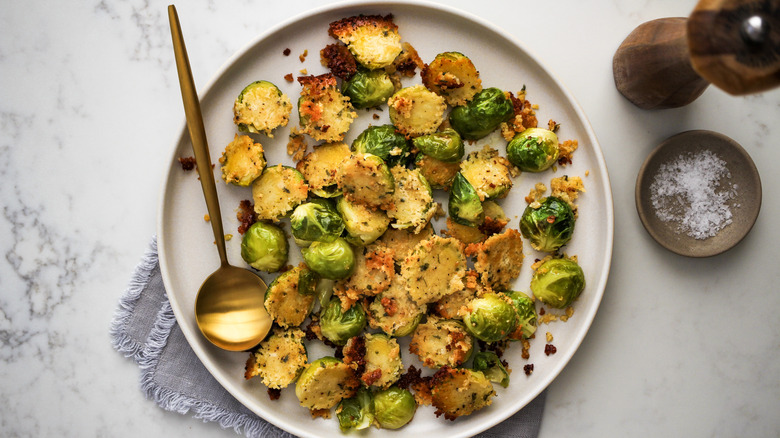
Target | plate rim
(603,276)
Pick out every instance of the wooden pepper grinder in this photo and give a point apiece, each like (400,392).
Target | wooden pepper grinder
(669,62)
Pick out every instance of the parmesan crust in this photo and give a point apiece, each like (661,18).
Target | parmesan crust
(434,269)
(498,259)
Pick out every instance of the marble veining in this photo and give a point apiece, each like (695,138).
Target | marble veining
(90,109)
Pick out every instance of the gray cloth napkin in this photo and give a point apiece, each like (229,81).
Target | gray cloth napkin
(145,329)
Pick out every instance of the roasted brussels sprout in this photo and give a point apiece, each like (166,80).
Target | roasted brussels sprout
(323,112)
(460,391)
(290,297)
(452,75)
(373,39)
(488,173)
(316,220)
(265,247)
(356,413)
(395,407)
(464,205)
(334,260)
(491,366)
(363,224)
(412,202)
(261,107)
(488,109)
(558,282)
(278,190)
(279,359)
(366,179)
(533,150)
(368,88)
(243,161)
(440,342)
(383,142)
(416,110)
(325,382)
(438,173)
(443,145)
(526,312)
(337,325)
(548,224)
(490,317)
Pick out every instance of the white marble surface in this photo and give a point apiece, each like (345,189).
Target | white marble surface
(90,109)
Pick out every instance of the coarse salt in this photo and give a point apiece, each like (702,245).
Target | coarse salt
(691,192)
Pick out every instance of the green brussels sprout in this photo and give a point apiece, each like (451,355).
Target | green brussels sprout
(338,326)
(395,407)
(261,107)
(443,145)
(334,260)
(356,413)
(325,382)
(384,142)
(369,88)
(364,225)
(491,366)
(464,205)
(316,220)
(265,247)
(533,150)
(491,317)
(548,225)
(478,118)
(558,282)
(526,312)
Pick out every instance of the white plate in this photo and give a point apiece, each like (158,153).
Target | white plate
(187,253)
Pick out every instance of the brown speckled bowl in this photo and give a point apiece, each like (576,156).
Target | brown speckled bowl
(743,173)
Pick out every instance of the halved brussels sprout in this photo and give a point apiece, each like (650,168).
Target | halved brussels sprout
(333,260)
(279,359)
(373,39)
(384,142)
(443,145)
(440,342)
(366,179)
(490,365)
(338,325)
(488,109)
(533,150)
(243,161)
(548,224)
(278,190)
(369,88)
(356,413)
(558,282)
(526,312)
(488,173)
(460,391)
(323,112)
(464,204)
(438,173)
(325,382)
(452,75)
(394,311)
(317,168)
(316,220)
(261,107)
(381,355)
(412,201)
(363,224)
(290,297)
(395,407)
(490,317)
(265,247)
(416,110)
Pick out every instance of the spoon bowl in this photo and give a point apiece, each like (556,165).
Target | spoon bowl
(229,306)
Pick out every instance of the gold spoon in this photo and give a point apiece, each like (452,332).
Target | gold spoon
(229,307)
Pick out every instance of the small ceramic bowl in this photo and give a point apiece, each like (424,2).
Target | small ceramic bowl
(744,206)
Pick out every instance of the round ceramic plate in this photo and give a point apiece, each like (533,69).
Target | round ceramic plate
(186,249)
(744,206)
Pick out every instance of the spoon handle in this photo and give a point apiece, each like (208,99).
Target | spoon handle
(197,133)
